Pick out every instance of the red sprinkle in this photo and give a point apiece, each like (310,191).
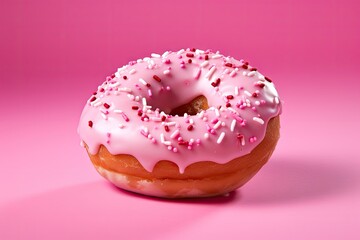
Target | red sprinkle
(255,94)
(182,142)
(239,136)
(228,104)
(206,57)
(193,49)
(102,90)
(189,61)
(163,118)
(244,66)
(113,75)
(90,124)
(190,127)
(190,55)
(124,77)
(216,83)
(262,85)
(140,112)
(167,129)
(135,107)
(93,99)
(228,64)
(268,79)
(157,78)
(253,69)
(230,97)
(148,85)
(106,105)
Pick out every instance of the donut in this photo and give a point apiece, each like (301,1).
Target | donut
(188,123)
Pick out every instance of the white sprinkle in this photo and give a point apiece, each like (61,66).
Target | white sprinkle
(231,109)
(180,51)
(155,55)
(206,135)
(210,72)
(131,97)
(197,74)
(204,64)
(233,123)
(216,56)
(198,51)
(217,113)
(139,60)
(155,119)
(221,137)
(257,103)
(186,115)
(244,73)
(104,116)
(128,90)
(236,91)
(162,138)
(165,54)
(217,125)
(115,84)
(175,134)
(132,71)
(167,143)
(201,114)
(144,102)
(226,71)
(259,120)
(143,81)
(251,73)
(121,125)
(233,72)
(166,72)
(137,98)
(170,123)
(149,92)
(191,121)
(248,93)
(117,111)
(97,104)
(276,99)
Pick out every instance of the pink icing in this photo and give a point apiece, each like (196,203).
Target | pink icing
(128,113)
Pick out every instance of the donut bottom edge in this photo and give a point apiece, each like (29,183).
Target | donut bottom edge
(201,179)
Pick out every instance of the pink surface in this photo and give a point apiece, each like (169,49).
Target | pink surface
(55,53)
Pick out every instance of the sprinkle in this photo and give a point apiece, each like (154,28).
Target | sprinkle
(230,97)
(268,79)
(236,91)
(90,124)
(114,85)
(190,127)
(244,66)
(210,72)
(204,64)
(248,93)
(232,126)
(190,55)
(216,56)
(221,137)
(167,129)
(252,139)
(165,54)
(233,72)
(132,71)
(107,106)
(97,104)
(175,134)
(155,55)
(206,57)
(260,84)
(128,90)
(259,120)
(117,111)
(201,114)
(143,82)
(197,74)
(217,113)
(228,64)
(157,78)
(104,116)
(241,138)
(134,107)
(251,74)
(170,123)
(216,83)
(180,51)
(257,103)
(149,92)
(217,125)
(166,72)
(93,99)
(124,77)
(144,102)
(206,135)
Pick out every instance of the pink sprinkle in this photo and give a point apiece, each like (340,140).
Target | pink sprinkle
(144,133)
(149,92)
(214,120)
(175,134)
(175,149)
(124,116)
(252,139)
(197,75)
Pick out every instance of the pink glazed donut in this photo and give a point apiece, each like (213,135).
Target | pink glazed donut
(190,123)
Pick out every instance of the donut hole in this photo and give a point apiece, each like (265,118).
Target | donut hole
(193,107)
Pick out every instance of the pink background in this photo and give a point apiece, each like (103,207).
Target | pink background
(53,54)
